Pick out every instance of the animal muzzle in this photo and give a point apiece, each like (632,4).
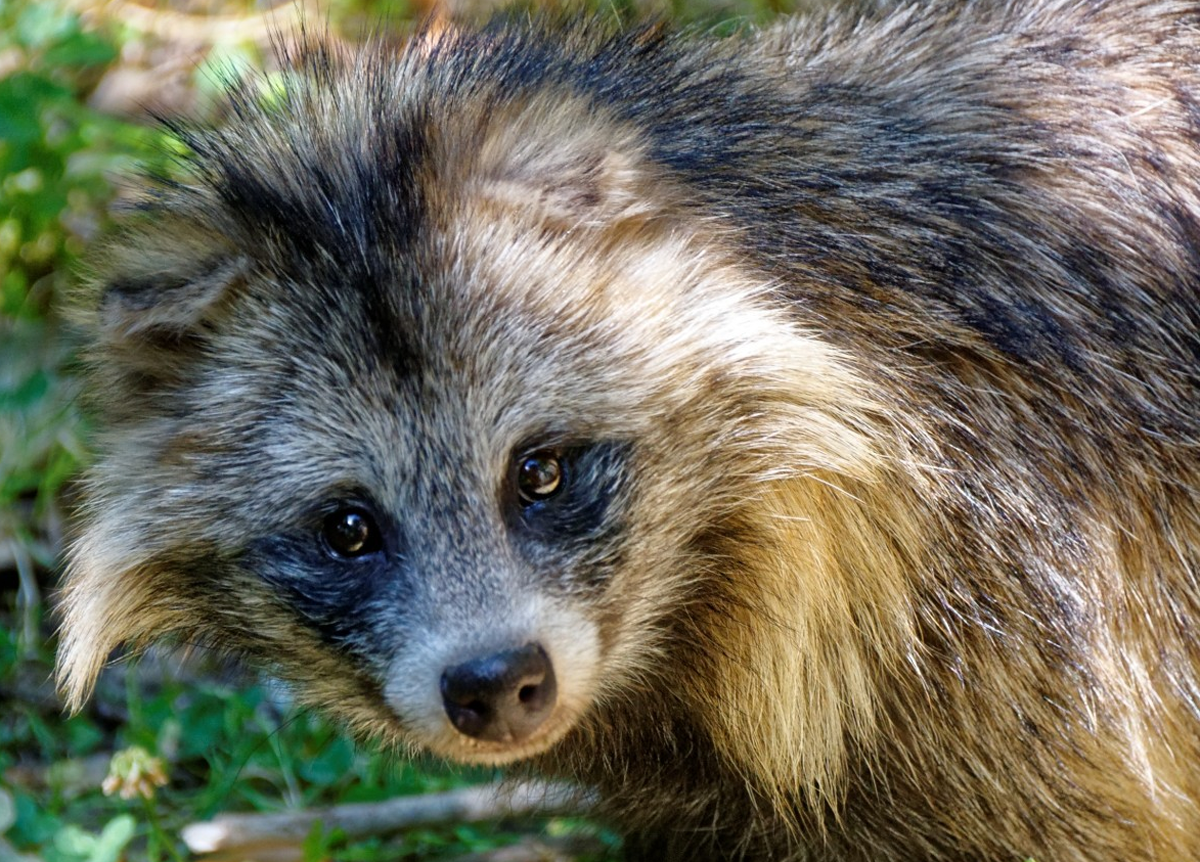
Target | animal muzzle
(495,687)
(503,697)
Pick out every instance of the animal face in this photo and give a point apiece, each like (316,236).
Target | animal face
(439,444)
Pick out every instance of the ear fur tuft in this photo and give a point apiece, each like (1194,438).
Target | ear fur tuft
(173,280)
(566,172)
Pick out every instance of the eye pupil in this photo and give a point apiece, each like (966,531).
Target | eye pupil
(351,533)
(538,476)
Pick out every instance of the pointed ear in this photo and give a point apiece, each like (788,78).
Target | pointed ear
(592,187)
(163,283)
(547,163)
(151,303)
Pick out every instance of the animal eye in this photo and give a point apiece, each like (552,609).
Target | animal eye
(351,532)
(539,476)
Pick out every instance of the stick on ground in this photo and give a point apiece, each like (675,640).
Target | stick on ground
(466,805)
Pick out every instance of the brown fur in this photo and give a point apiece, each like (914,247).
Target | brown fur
(878,347)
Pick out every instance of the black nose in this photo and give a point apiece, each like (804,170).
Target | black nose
(503,697)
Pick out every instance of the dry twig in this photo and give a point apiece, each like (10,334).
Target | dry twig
(233,834)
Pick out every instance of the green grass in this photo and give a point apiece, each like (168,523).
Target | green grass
(228,746)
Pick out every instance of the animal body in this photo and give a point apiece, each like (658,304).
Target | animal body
(792,436)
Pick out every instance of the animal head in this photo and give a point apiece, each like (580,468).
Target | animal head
(424,389)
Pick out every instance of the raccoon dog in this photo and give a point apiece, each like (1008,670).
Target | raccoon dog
(795,436)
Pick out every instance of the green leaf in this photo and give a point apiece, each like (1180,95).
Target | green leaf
(8,811)
(22,97)
(74,843)
(116,835)
(320,842)
(42,23)
(33,827)
(80,50)
(29,392)
(83,736)
(330,765)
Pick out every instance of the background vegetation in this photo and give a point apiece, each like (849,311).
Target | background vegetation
(77,81)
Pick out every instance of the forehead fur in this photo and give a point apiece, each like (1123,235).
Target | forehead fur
(352,158)
(468,227)
(415,216)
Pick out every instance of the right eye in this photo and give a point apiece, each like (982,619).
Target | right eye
(539,476)
(351,532)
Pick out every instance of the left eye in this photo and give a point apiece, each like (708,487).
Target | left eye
(539,476)
(351,532)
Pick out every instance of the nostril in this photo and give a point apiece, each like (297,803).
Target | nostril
(505,696)
(471,718)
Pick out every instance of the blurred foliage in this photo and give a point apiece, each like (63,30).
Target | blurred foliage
(57,158)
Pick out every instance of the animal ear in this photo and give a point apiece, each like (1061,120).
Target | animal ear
(155,297)
(162,285)
(587,188)
(589,173)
